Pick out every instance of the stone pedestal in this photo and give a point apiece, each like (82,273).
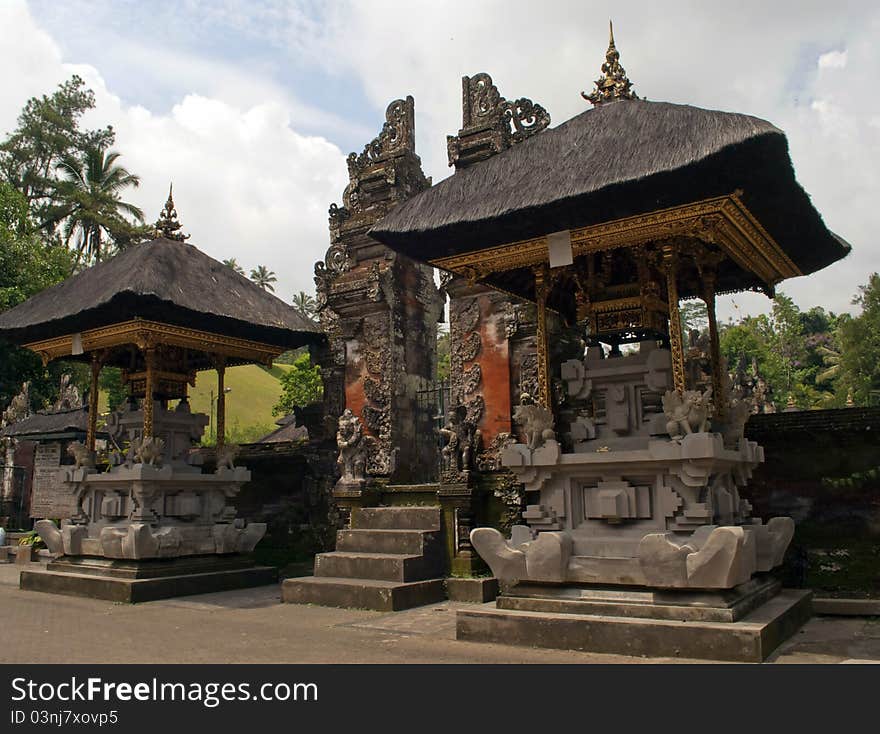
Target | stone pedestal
(154,526)
(140,581)
(616,631)
(639,542)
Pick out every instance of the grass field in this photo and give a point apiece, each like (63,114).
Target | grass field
(248,404)
(254,390)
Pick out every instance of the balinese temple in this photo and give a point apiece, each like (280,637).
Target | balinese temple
(606,223)
(153,523)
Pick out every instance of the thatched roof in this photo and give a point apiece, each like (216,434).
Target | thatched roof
(617,160)
(166,281)
(66,423)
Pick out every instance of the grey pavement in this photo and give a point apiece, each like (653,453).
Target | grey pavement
(252,626)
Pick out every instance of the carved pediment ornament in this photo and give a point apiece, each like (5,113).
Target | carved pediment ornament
(491,123)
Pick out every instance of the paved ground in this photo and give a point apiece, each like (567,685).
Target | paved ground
(251,626)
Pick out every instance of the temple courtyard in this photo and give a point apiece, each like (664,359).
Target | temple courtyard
(252,626)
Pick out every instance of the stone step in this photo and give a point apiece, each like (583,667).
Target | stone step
(395,518)
(382,596)
(376,566)
(407,542)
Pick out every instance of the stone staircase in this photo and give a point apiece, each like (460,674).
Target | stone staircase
(392,558)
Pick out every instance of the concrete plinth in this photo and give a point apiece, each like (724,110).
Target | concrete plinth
(477,590)
(139,581)
(346,593)
(750,639)
(727,605)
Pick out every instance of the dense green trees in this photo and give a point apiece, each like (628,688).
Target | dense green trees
(71,181)
(301,386)
(859,339)
(61,207)
(819,358)
(27,266)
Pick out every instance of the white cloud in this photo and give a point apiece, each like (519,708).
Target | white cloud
(750,57)
(249,185)
(832,60)
(246,183)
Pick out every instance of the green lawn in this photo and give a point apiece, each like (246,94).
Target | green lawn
(248,404)
(254,390)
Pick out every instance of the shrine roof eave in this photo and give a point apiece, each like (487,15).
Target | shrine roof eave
(620,160)
(68,424)
(113,345)
(164,281)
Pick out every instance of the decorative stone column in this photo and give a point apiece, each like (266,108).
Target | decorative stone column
(379,310)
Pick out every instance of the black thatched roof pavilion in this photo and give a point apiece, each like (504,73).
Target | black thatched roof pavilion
(162,311)
(163,281)
(615,214)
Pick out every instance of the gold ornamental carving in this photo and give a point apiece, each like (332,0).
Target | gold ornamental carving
(723,220)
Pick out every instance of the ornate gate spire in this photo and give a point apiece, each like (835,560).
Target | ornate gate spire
(613,84)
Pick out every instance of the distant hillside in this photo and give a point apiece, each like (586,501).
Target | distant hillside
(248,404)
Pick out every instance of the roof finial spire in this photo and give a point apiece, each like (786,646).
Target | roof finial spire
(167,225)
(613,84)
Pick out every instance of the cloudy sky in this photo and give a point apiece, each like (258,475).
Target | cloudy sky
(250,106)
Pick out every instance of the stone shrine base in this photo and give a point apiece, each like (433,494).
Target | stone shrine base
(744,624)
(139,581)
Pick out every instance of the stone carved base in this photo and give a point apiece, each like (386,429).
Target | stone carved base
(142,512)
(667,516)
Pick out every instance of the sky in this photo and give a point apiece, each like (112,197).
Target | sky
(250,106)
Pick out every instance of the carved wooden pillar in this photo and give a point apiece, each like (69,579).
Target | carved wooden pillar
(719,398)
(221,402)
(669,265)
(92,428)
(542,290)
(150,360)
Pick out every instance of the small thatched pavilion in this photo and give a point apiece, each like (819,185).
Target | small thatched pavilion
(161,311)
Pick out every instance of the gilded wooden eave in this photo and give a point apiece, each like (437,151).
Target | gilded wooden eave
(724,221)
(150,334)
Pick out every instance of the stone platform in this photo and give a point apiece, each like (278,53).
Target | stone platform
(140,581)
(744,624)
(390,559)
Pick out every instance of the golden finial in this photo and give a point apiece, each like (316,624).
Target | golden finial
(850,403)
(167,225)
(613,84)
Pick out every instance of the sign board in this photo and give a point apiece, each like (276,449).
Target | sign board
(50,498)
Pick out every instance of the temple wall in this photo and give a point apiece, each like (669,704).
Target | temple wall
(822,468)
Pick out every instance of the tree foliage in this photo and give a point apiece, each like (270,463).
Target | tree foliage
(859,338)
(49,132)
(26,267)
(301,386)
(263,277)
(96,220)
(305,304)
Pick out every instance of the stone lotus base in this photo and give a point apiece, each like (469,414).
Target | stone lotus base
(141,581)
(712,557)
(744,624)
(140,540)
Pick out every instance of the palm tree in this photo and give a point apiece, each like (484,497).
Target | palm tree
(831,358)
(263,277)
(95,214)
(305,304)
(234,265)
